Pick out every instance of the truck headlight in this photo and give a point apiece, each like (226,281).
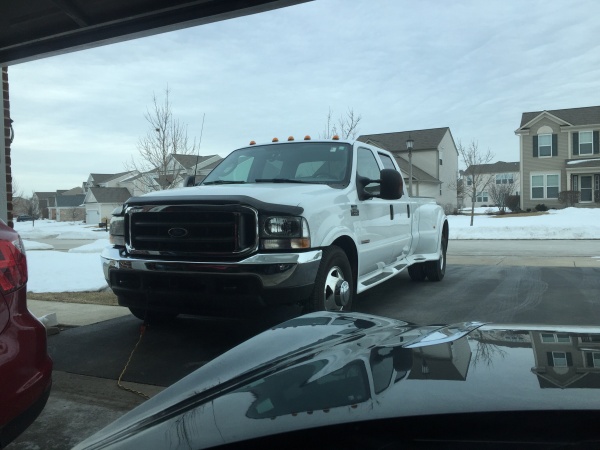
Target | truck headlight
(117,231)
(280,233)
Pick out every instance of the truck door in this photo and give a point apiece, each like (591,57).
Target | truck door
(372,227)
(400,215)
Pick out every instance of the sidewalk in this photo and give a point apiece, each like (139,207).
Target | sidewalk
(76,314)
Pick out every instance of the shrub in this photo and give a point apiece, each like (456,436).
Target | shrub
(541,207)
(568,198)
(512,202)
(528,210)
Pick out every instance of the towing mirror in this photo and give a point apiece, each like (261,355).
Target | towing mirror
(391,184)
(189,181)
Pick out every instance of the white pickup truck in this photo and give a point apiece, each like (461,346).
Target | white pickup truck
(307,222)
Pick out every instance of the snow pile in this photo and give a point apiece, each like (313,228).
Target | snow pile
(80,268)
(568,223)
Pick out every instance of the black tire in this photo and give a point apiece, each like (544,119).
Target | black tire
(153,317)
(334,274)
(436,270)
(417,272)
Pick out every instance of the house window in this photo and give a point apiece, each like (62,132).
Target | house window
(559,359)
(559,338)
(592,359)
(586,142)
(545,145)
(504,178)
(469,180)
(482,196)
(544,186)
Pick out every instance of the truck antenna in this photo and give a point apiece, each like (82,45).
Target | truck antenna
(199,145)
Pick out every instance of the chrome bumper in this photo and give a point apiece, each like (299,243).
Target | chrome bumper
(283,270)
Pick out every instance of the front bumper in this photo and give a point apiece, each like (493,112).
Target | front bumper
(189,286)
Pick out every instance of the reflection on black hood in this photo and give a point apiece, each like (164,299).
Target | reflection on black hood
(334,368)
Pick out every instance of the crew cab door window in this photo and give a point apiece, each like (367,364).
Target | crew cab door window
(387,162)
(366,166)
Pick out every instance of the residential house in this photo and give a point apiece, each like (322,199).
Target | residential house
(101,201)
(434,161)
(501,177)
(177,169)
(66,205)
(42,200)
(560,151)
(106,179)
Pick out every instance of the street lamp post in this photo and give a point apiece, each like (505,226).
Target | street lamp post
(409,147)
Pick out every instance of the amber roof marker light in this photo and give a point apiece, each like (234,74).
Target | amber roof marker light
(335,137)
(275,140)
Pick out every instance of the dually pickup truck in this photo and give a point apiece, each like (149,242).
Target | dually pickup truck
(300,222)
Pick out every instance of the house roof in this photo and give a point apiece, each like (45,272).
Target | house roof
(104,177)
(574,116)
(396,142)
(418,174)
(74,191)
(497,167)
(110,195)
(45,195)
(576,163)
(69,201)
(188,161)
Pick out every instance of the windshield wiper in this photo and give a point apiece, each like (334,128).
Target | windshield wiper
(282,180)
(223,182)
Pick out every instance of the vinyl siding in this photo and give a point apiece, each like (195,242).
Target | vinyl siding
(543,165)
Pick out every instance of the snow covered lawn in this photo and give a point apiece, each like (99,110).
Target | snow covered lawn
(80,269)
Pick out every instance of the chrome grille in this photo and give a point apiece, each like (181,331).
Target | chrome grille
(191,230)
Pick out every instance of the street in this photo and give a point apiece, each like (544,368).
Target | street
(89,359)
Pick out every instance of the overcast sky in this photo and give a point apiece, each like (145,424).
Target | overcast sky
(474,66)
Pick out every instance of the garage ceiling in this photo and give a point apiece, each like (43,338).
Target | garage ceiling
(33,29)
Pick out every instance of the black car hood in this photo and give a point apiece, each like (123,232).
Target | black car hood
(333,368)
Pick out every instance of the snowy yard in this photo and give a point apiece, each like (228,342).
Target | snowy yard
(80,269)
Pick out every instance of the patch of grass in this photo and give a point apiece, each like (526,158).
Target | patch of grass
(97,298)
(521,214)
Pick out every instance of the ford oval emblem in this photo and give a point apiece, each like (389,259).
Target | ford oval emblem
(178,232)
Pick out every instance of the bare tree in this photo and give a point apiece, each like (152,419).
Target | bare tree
(476,180)
(500,193)
(166,136)
(346,126)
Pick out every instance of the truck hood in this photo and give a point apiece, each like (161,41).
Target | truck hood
(260,195)
(328,369)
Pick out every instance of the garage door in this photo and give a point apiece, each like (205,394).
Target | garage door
(92,216)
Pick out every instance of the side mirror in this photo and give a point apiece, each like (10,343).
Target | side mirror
(189,181)
(391,184)
(361,183)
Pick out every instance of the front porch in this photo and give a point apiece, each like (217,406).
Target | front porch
(583,180)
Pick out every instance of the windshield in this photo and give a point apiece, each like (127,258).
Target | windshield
(298,162)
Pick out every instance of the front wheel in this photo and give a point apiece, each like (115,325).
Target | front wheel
(334,286)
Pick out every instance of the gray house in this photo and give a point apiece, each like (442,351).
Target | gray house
(560,152)
(434,160)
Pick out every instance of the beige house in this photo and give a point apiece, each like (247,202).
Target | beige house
(434,160)
(560,152)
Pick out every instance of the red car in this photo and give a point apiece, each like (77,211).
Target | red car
(25,367)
